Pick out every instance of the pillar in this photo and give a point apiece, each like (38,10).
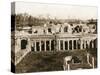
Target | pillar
(40,44)
(17,44)
(81,44)
(35,45)
(72,45)
(76,44)
(68,44)
(29,45)
(45,45)
(50,45)
(84,44)
(88,42)
(92,44)
(59,45)
(63,44)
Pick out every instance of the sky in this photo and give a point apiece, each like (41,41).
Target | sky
(61,11)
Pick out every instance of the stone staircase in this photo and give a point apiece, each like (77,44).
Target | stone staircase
(19,56)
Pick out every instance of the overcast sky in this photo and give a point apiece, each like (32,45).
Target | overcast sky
(54,10)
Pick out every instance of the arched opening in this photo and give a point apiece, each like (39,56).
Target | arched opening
(23,44)
(52,45)
(47,45)
(90,44)
(70,44)
(87,45)
(66,45)
(49,30)
(74,44)
(42,45)
(61,44)
(66,29)
(37,46)
(33,47)
(79,44)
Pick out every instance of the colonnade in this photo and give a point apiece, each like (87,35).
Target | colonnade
(61,44)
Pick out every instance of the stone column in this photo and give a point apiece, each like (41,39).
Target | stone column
(72,45)
(68,43)
(17,45)
(50,45)
(76,44)
(59,44)
(35,45)
(84,44)
(40,45)
(88,42)
(92,44)
(81,44)
(63,44)
(29,45)
(45,45)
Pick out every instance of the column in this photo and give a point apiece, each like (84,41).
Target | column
(50,45)
(40,44)
(92,44)
(17,45)
(59,44)
(88,43)
(35,45)
(29,45)
(76,44)
(63,44)
(84,44)
(68,44)
(72,45)
(81,44)
(45,45)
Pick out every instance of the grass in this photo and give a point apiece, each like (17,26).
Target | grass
(48,61)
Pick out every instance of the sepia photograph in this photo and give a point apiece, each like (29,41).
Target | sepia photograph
(53,37)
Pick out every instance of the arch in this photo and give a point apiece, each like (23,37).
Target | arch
(79,44)
(70,44)
(87,45)
(49,30)
(74,44)
(52,45)
(42,45)
(91,44)
(23,44)
(61,44)
(37,46)
(66,45)
(66,29)
(47,45)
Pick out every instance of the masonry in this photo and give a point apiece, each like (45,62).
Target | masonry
(61,37)
(56,42)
